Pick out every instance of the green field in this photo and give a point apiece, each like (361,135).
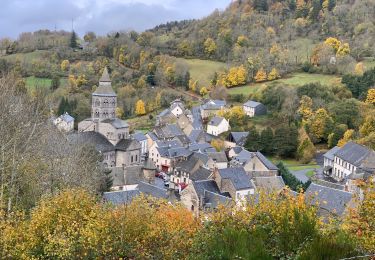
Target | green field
(33,82)
(369,63)
(294,80)
(26,57)
(203,70)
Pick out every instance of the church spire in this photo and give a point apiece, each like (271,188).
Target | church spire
(105,76)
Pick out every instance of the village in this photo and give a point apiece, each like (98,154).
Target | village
(177,162)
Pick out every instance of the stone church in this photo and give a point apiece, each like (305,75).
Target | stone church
(109,134)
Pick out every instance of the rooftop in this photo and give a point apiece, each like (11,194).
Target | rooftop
(251,103)
(238,177)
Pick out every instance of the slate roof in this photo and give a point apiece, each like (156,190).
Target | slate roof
(237,149)
(239,137)
(201,147)
(152,190)
(238,177)
(183,139)
(252,103)
(215,121)
(266,162)
(99,141)
(331,153)
(332,200)
(269,184)
(213,199)
(120,197)
(66,117)
(116,123)
(163,151)
(124,144)
(164,113)
(218,156)
(243,157)
(189,164)
(205,185)
(178,152)
(167,131)
(353,153)
(213,104)
(153,136)
(139,137)
(195,135)
(169,144)
(202,156)
(200,174)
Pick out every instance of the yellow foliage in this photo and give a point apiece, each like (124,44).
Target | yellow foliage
(305,108)
(274,74)
(343,50)
(193,84)
(370,99)
(348,136)
(65,65)
(333,42)
(140,108)
(359,69)
(217,144)
(142,82)
(119,112)
(270,31)
(203,91)
(210,46)
(236,76)
(242,40)
(261,75)
(275,49)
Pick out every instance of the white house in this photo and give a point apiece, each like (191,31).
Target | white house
(177,108)
(351,158)
(217,126)
(142,139)
(253,108)
(65,122)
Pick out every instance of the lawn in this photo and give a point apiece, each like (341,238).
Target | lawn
(294,80)
(293,164)
(203,70)
(33,82)
(27,57)
(369,63)
(309,174)
(303,167)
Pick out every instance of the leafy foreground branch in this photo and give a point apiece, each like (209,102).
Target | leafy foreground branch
(75,225)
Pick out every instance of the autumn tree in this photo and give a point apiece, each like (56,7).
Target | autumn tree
(65,65)
(274,74)
(359,69)
(210,47)
(140,108)
(305,108)
(320,125)
(203,91)
(261,75)
(348,136)
(370,99)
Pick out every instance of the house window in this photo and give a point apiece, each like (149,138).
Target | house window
(136,158)
(132,158)
(184,180)
(192,207)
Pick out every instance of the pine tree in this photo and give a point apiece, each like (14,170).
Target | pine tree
(73,40)
(253,142)
(266,139)
(106,182)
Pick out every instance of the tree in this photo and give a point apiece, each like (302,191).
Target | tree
(73,40)
(320,125)
(337,133)
(89,37)
(306,149)
(253,142)
(241,75)
(140,108)
(274,74)
(370,99)
(218,144)
(285,141)
(333,42)
(348,136)
(343,50)
(203,91)
(119,112)
(266,140)
(261,75)
(359,69)
(210,47)
(65,65)
(305,108)
(55,82)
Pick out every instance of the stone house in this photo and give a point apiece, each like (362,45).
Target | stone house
(217,126)
(128,153)
(255,164)
(236,182)
(235,151)
(236,139)
(142,139)
(253,108)
(217,160)
(332,202)
(64,123)
(203,195)
(211,107)
(269,184)
(177,107)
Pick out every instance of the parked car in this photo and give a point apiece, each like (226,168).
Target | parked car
(166,183)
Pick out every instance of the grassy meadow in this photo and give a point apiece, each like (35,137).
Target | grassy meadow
(293,80)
